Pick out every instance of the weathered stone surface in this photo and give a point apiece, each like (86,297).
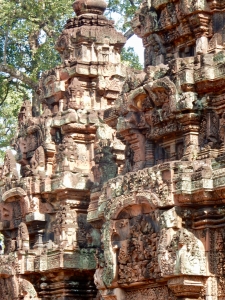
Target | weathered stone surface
(162,217)
(122,181)
(48,247)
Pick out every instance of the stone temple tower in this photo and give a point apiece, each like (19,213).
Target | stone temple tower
(121,189)
(49,248)
(162,217)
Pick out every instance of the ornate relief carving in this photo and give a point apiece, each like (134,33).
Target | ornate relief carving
(151,293)
(137,154)
(66,155)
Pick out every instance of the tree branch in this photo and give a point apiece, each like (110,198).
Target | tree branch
(33,41)
(129,33)
(131,2)
(14,73)
(50,33)
(6,94)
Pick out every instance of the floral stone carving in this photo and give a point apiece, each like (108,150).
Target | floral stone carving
(120,190)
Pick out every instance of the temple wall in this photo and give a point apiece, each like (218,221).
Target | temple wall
(121,187)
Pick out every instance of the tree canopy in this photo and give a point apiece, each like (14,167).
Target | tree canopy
(28,31)
(125,10)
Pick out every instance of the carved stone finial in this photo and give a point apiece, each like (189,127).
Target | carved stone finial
(89,7)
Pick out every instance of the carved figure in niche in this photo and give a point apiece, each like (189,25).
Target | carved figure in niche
(46,121)
(71,237)
(74,94)
(9,170)
(185,102)
(116,187)
(144,179)
(129,159)
(105,160)
(27,142)
(23,237)
(135,242)
(210,129)
(162,97)
(37,162)
(191,151)
(84,231)
(148,18)
(191,260)
(64,228)
(57,232)
(158,186)
(67,155)
(34,204)
(180,252)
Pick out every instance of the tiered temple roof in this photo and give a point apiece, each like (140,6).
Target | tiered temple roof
(121,189)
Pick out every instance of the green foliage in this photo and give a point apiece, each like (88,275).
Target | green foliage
(129,56)
(28,32)
(125,10)
(11,96)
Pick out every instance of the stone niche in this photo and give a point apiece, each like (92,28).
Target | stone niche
(117,187)
(162,216)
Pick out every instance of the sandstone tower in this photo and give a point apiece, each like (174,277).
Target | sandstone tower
(121,188)
(49,248)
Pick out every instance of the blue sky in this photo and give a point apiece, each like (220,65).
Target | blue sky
(136,43)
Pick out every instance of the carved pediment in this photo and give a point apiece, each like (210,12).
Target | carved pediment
(162,91)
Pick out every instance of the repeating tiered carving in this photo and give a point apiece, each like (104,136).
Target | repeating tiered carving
(48,250)
(162,216)
(121,181)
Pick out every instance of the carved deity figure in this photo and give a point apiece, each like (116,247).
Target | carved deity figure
(46,119)
(129,159)
(191,151)
(67,155)
(189,263)
(34,204)
(23,237)
(9,169)
(134,249)
(57,232)
(180,252)
(74,94)
(37,162)
(65,228)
